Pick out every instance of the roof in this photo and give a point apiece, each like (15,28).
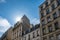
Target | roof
(31,29)
(42,3)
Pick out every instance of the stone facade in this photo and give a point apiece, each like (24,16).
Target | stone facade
(7,35)
(50,20)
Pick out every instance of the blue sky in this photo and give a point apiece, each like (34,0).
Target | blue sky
(11,9)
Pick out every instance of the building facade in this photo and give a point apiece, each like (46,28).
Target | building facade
(23,31)
(4,36)
(48,29)
(50,20)
(7,35)
(32,34)
(20,27)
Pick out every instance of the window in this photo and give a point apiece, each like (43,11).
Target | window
(56,25)
(58,2)
(37,32)
(41,8)
(53,7)
(55,15)
(49,19)
(33,35)
(46,4)
(28,37)
(50,28)
(47,11)
(58,36)
(44,31)
(42,15)
(43,22)
(22,34)
(51,37)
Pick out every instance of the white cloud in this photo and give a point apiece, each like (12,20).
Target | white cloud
(4,24)
(2,1)
(35,21)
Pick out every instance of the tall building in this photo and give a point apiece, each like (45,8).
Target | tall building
(50,20)
(23,30)
(20,27)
